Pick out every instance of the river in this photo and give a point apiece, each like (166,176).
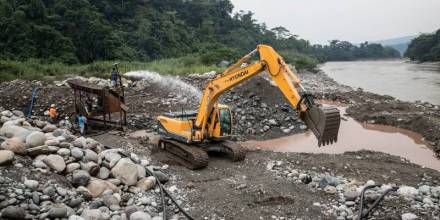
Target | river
(401,79)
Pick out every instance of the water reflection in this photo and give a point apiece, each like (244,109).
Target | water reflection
(354,136)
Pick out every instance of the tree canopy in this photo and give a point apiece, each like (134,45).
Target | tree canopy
(84,31)
(425,47)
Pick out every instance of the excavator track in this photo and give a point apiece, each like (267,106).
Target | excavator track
(233,150)
(189,156)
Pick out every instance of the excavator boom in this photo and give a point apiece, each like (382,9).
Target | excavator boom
(322,121)
(212,122)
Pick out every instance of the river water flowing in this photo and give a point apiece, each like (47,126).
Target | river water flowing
(401,79)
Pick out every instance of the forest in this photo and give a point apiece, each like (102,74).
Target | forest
(425,47)
(83,32)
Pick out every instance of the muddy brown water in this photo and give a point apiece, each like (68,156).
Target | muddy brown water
(355,136)
(401,79)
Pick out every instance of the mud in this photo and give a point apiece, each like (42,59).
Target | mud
(355,136)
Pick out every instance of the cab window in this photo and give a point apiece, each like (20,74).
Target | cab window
(225,121)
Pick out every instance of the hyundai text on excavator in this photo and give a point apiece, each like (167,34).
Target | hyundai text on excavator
(188,136)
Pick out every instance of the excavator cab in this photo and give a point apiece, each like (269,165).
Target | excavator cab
(221,122)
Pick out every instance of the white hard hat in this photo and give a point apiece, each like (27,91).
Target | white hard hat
(67,117)
(52,105)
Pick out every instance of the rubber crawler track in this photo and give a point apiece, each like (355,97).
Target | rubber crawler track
(189,156)
(234,151)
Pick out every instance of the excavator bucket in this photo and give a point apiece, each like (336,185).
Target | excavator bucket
(324,123)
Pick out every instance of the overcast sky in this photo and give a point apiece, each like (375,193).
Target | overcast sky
(354,20)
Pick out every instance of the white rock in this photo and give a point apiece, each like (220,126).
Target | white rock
(6,157)
(35,139)
(409,216)
(14,131)
(49,128)
(424,190)
(72,166)
(52,142)
(139,215)
(428,201)
(7,113)
(370,183)
(15,145)
(75,217)
(126,171)
(77,153)
(31,184)
(63,152)
(146,183)
(407,191)
(98,186)
(141,171)
(92,214)
(56,162)
(90,156)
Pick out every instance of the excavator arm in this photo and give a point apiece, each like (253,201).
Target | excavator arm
(324,122)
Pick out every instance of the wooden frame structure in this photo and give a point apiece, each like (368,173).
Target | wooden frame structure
(110,100)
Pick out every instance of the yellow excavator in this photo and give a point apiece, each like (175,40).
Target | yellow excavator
(188,136)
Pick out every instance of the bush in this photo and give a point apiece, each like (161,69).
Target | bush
(300,61)
(217,55)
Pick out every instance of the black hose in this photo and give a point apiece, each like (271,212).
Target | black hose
(162,189)
(164,204)
(376,203)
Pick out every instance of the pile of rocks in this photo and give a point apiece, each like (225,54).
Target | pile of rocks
(407,200)
(255,118)
(58,175)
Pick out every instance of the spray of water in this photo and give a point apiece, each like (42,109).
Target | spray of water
(168,82)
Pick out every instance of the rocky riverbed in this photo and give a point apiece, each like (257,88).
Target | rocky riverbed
(58,173)
(47,172)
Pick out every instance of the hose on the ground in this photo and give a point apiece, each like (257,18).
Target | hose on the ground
(376,203)
(164,204)
(162,189)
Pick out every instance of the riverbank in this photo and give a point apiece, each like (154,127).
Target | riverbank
(267,184)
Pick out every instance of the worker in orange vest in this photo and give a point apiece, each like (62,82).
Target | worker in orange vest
(53,113)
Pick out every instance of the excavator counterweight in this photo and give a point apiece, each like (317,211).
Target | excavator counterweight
(188,135)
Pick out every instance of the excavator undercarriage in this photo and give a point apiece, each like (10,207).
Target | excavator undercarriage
(195,156)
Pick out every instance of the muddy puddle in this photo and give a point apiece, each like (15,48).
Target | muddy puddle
(355,136)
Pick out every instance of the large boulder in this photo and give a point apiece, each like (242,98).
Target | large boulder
(90,155)
(13,212)
(77,153)
(15,145)
(96,187)
(126,171)
(6,157)
(35,139)
(14,131)
(55,162)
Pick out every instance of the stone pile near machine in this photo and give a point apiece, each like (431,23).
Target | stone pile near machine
(47,172)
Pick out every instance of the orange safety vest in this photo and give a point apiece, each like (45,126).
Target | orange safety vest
(52,112)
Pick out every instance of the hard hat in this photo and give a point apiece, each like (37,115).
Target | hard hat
(53,105)
(67,117)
